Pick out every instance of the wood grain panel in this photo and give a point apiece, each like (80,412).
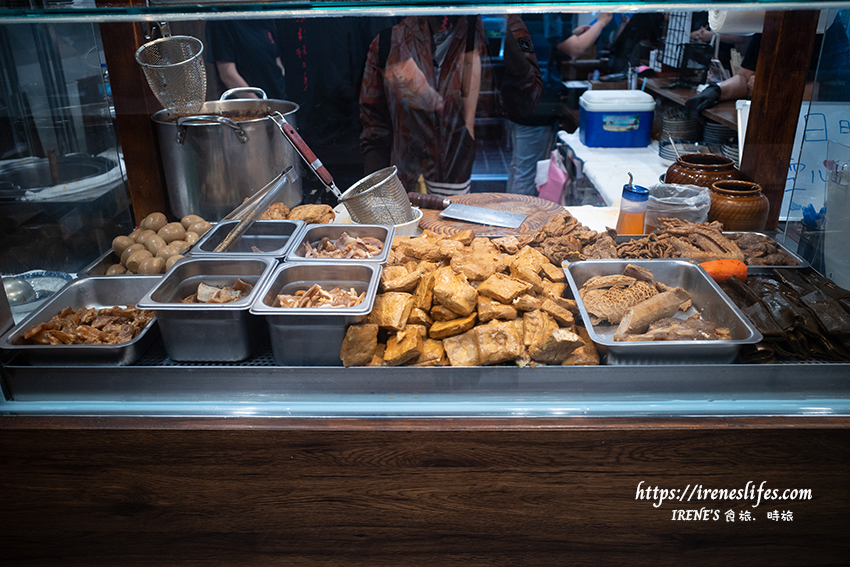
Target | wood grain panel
(330,495)
(780,82)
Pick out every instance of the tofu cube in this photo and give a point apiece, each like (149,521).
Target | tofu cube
(359,344)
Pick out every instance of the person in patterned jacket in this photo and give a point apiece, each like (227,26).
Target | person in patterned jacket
(424,82)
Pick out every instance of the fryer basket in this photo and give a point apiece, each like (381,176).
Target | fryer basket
(174,68)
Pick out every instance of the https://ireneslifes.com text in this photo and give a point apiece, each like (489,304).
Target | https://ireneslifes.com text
(752,494)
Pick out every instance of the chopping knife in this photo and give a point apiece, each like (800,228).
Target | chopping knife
(468,213)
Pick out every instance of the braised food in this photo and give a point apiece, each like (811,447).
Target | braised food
(316,297)
(467,301)
(214,294)
(345,246)
(89,326)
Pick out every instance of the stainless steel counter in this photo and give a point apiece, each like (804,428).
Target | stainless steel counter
(257,387)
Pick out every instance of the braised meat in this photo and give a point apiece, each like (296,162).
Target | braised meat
(316,297)
(345,246)
(225,294)
(87,326)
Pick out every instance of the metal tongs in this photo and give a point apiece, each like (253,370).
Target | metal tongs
(305,152)
(249,211)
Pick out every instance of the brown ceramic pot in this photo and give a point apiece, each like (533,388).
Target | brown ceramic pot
(739,205)
(701,170)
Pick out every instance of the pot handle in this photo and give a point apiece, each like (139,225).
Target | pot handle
(181,126)
(257,91)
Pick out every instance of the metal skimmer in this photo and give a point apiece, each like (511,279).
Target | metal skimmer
(378,198)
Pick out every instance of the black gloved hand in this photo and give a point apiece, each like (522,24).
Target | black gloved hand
(707,98)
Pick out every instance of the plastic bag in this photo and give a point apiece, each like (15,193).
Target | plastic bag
(553,188)
(667,200)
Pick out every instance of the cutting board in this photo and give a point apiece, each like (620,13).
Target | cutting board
(537,211)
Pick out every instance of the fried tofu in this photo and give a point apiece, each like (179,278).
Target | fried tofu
(440,313)
(312,214)
(552,272)
(405,345)
(489,309)
(359,344)
(503,288)
(480,261)
(391,310)
(462,350)
(398,278)
(465,236)
(507,244)
(536,324)
(547,343)
(443,329)
(424,294)
(527,265)
(499,341)
(561,315)
(586,354)
(449,248)
(433,354)
(452,290)
(419,317)
(527,302)
(378,356)
(424,247)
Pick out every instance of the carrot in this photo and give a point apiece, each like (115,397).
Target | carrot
(722,270)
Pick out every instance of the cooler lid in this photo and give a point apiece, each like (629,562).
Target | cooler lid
(617,101)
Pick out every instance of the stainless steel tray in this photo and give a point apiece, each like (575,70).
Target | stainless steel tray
(272,237)
(221,332)
(314,233)
(708,299)
(313,337)
(95,292)
(801,262)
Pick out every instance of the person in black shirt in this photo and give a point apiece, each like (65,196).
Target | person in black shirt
(245,54)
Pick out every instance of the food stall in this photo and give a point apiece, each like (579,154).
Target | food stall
(151,454)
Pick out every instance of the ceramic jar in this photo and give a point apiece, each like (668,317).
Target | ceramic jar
(739,205)
(701,170)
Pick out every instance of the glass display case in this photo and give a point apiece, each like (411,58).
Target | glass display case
(81,163)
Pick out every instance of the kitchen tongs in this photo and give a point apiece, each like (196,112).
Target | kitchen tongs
(254,206)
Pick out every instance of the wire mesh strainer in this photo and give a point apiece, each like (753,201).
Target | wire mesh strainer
(378,198)
(174,68)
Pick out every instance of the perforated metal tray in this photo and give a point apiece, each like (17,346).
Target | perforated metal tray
(707,297)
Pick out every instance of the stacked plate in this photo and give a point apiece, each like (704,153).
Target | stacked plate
(730,150)
(677,124)
(666,151)
(717,134)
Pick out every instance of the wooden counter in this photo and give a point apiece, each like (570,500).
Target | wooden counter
(723,112)
(177,491)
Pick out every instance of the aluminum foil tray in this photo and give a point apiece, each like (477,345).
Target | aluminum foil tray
(708,299)
(314,233)
(95,292)
(264,238)
(313,337)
